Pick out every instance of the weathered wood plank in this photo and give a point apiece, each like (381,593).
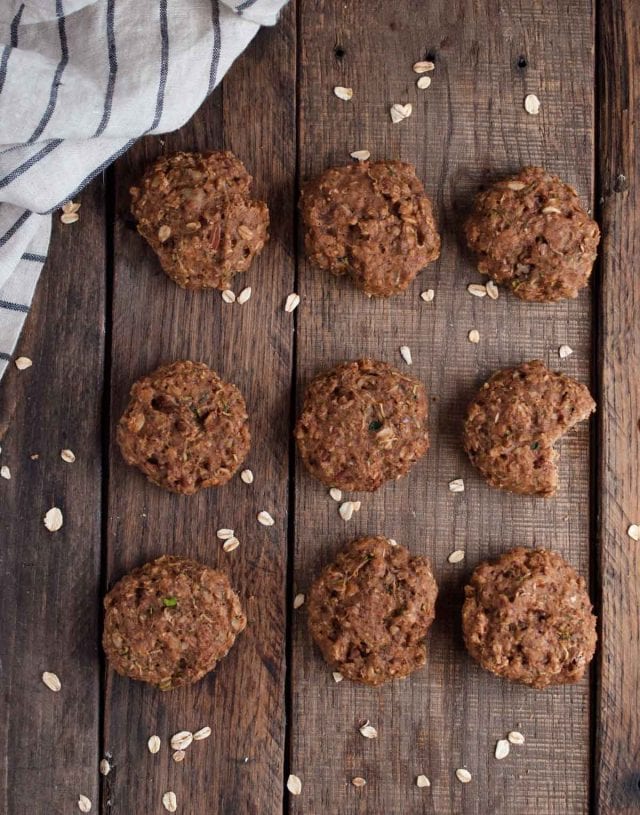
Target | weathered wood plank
(239,769)
(49,615)
(469,126)
(618,722)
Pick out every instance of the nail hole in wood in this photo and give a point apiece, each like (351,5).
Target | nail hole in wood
(339,52)
(522,62)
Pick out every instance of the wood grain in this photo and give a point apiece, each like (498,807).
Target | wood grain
(49,608)
(239,769)
(469,126)
(618,722)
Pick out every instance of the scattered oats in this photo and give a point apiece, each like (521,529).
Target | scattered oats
(532,104)
(51,681)
(104,767)
(265,519)
(335,493)
(456,557)
(230,544)
(68,455)
(516,185)
(405,353)
(392,541)
(368,731)
(69,217)
(428,295)
(361,155)
(244,295)
(515,737)
(181,740)
(424,82)
(292,302)
(228,296)
(358,782)
(337,676)
(298,601)
(346,510)
(422,781)
(70,207)
(502,749)
(164,233)
(154,744)
(245,232)
(565,351)
(224,534)
(423,66)
(201,734)
(400,112)
(294,785)
(457,485)
(22,363)
(169,801)
(34,456)
(5,472)
(247,476)
(634,532)
(474,336)
(551,211)
(178,756)
(53,519)
(463,776)
(477,289)
(492,290)
(84,804)
(343,93)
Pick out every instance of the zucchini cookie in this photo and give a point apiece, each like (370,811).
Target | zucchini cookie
(185,428)
(370,611)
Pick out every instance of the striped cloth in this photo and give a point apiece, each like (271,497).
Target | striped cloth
(80,81)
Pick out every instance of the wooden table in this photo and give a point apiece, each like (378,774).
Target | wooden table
(104,314)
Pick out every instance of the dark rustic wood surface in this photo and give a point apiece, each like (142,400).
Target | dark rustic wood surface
(276,110)
(617,769)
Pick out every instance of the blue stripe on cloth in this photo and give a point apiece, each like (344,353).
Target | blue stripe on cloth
(113,67)
(14,228)
(13,306)
(215,54)
(14,44)
(87,179)
(29,163)
(244,6)
(5,356)
(164,65)
(34,258)
(64,59)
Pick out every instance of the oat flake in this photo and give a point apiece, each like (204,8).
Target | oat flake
(565,351)
(515,737)
(423,66)
(502,749)
(335,493)
(532,104)
(53,519)
(392,541)
(634,532)
(5,472)
(346,510)
(104,767)
(368,731)
(298,601)
(244,295)
(224,534)
(154,744)
(428,295)
(69,217)
(294,785)
(247,476)
(51,681)
(474,336)
(169,801)
(228,296)
(463,776)
(361,155)
(477,289)
(230,544)
(457,485)
(181,740)
(343,93)
(422,781)
(265,519)
(405,353)
(292,302)
(456,557)
(84,804)
(337,676)
(22,363)
(492,290)
(201,734)
(358,781)
(68,455)
(424,82)
(399,112)
(178,756)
